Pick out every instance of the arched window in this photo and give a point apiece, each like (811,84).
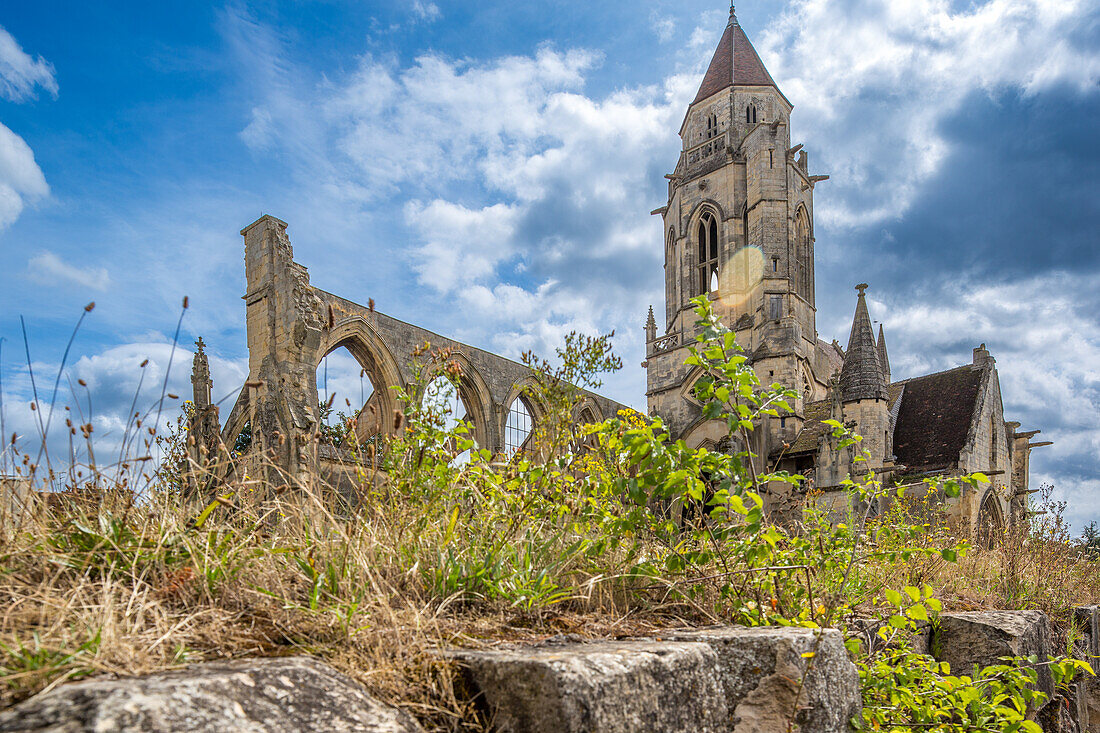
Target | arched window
(804,268)
(712,126)
(346,392)
(519,426)
(447,408)
(671,270)
(707,268)
(750,114)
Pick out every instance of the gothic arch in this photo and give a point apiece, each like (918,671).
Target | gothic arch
(373,356)
(707,250)
(587,412)
(804,254)
(525,389)
(991,520)
(475,395)
(697,211)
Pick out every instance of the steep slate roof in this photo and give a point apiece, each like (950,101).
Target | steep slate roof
(861,377)
(813,428)
(735,61)
(935,417)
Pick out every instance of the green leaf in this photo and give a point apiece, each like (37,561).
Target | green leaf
(949,554)
(918,612)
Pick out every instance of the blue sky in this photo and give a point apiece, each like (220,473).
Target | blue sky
(487,170)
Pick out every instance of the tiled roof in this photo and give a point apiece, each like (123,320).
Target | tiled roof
(735,61)
(934,418)
(813,427)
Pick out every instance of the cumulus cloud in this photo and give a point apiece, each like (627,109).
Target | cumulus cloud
(21,180)
(117,387)
(20,74)
(48,268)
(897,70)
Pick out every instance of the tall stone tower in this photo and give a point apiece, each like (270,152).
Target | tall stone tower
(738,228)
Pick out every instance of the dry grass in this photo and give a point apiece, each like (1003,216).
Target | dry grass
(123,587)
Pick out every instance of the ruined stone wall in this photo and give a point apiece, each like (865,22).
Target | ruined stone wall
(292,325)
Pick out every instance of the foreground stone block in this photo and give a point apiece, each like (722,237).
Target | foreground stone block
(765,678)
(979,638)
(283,695)
(1087,619)
(723,679)
(600,687)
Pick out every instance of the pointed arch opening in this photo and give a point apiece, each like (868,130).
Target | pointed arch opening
(350,399)
(446,407)
(706,280)
(991,521)
(750,113)
(711,126)
(672,285)
(804,256)
(519,426)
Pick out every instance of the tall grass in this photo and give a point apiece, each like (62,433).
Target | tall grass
(579,536)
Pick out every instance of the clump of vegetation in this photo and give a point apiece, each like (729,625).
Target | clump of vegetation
(598,529)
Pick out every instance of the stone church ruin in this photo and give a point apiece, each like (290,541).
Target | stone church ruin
(292,325)
(739,229)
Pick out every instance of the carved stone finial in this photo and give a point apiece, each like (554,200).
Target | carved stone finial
(200,375)
(861,287)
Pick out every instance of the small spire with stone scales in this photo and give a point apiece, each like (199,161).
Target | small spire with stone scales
(883,357)
(862,376)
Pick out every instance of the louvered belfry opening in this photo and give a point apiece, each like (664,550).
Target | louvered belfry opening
(707,278)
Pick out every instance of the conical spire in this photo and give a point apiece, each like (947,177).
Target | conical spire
(735,61)
(650,326)
(883,357)
(861,377)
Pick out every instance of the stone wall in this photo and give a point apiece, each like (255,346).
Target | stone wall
(742,680)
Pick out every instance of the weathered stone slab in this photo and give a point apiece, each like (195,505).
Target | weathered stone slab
(247,696)
(979,638)
(1087,619)
(602,687)
(720,679)
(766,679)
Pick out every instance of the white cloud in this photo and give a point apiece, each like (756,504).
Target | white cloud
(116,380)
(427,12)
(663,25)
(897,70)
(47,267)
(21,180)
(20,74)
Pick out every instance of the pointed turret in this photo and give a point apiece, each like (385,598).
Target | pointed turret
(201,383)
(883,357)
(650,326)
(735,62)
(861,377)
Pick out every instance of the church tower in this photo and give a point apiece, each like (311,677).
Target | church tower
(738,228)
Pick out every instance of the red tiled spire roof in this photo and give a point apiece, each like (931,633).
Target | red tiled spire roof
(735,61)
